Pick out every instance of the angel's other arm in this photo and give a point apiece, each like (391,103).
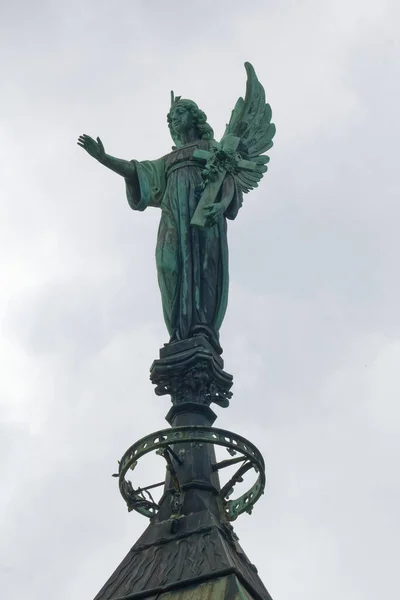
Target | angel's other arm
(214,211)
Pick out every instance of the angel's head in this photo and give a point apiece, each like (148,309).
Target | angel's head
(185,120)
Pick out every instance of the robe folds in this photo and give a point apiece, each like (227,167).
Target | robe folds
(192,263)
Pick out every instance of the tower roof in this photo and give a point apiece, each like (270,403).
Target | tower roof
(203,559)
(221,588)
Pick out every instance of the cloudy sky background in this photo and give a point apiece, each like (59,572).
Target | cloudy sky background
(312,333)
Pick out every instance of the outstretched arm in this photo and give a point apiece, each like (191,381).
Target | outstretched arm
(125,168)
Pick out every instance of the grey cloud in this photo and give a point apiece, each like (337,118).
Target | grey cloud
(312,328)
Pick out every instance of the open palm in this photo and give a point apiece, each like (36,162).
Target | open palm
(92,147)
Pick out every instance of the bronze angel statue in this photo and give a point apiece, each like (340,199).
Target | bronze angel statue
(198,186)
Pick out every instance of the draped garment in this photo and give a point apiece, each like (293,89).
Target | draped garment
(192,263)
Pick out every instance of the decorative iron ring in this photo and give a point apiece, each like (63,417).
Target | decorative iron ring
(165,438)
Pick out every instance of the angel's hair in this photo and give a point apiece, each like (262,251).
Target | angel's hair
(199,119)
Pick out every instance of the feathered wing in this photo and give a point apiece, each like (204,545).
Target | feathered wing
(251,122)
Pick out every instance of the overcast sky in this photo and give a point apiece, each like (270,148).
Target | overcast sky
(312,332)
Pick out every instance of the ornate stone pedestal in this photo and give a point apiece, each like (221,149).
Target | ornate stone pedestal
(191,371)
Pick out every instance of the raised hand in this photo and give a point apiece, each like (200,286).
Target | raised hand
(95,149)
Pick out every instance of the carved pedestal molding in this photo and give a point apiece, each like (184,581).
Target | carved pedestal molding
(191,372)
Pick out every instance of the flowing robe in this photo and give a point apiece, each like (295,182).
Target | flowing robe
(192,263)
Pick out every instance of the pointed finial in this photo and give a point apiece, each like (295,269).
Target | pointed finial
(174,99)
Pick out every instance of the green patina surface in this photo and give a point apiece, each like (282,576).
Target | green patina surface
(223,588)
(198,186)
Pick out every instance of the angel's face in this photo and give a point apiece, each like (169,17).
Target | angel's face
(181,119)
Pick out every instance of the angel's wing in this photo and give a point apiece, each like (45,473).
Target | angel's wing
(251,122)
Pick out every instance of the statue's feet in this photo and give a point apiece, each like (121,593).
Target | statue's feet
(174,338)
(208,333)
(198,330)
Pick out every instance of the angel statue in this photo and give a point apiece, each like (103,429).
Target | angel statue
(198,186)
